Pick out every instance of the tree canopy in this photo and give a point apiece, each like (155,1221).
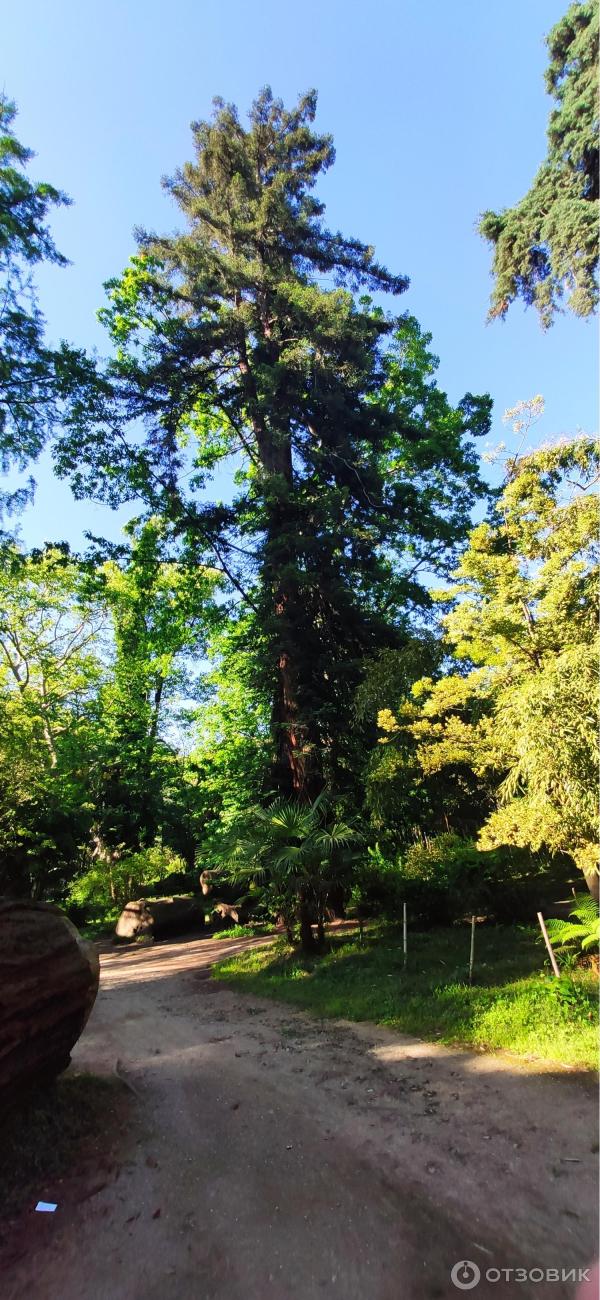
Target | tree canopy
(546,246)
(260,680)
(520,705)
(354,472)
(30,372)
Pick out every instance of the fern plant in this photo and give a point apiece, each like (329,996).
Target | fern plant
(583,933)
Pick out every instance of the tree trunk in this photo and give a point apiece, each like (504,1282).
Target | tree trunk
(586,860)
(307,939)
(294,768)
(297,766)
(592,881)
(289,734)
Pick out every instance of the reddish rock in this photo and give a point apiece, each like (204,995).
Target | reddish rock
(48,984)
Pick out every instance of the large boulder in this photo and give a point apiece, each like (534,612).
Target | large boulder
(48,983)
(158,917)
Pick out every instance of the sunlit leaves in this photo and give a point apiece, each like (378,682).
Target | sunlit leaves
(525,717)
(546,246)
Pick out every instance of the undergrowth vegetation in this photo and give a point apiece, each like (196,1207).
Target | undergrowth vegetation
(241,932)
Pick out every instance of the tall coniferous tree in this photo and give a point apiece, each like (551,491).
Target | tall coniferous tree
(546,246)
(244,334)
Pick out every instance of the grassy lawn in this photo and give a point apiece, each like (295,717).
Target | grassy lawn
(515,1004)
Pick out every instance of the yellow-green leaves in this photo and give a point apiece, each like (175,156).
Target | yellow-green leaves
(523,710)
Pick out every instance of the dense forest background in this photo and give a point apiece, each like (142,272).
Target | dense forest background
(357,674)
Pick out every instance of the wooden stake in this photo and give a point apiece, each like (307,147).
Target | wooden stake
(472,956)
(360,931)
(553,960)
(404,944)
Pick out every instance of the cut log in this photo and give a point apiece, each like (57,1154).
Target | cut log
(48,984)
(175,915)
(157,917)
(135,920)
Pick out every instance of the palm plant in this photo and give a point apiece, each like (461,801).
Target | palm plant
(299,855)
(582,934)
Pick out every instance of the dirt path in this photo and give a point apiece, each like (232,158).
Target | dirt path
(276,1156)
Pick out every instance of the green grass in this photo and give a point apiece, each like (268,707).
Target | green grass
(242,932)
(51,1132)
(513,1005)
(100,928)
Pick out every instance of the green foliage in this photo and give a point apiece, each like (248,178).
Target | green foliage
(546,246)
(300,853)
(50,673)
(355,472)
(520,707)
(403,800)
(31,375)
(510,1007)
(446,878)
(581,935)
(240,932)
(233,750)
(378,885)
(109,885)
(92,666)
(160,612)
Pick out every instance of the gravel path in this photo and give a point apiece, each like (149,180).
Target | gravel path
(272,1155)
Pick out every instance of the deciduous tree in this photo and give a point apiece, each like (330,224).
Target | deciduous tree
(521,706)
(50,674)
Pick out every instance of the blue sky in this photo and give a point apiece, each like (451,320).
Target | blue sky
(438,111)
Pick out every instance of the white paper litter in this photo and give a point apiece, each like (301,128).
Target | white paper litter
(46,1207)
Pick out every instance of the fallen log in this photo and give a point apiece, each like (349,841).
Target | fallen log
(157,917)
(48,984)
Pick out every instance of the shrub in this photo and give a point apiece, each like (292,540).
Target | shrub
(378,885)
(109,885)
(444,878)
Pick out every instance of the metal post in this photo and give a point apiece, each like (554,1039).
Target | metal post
(472,956)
